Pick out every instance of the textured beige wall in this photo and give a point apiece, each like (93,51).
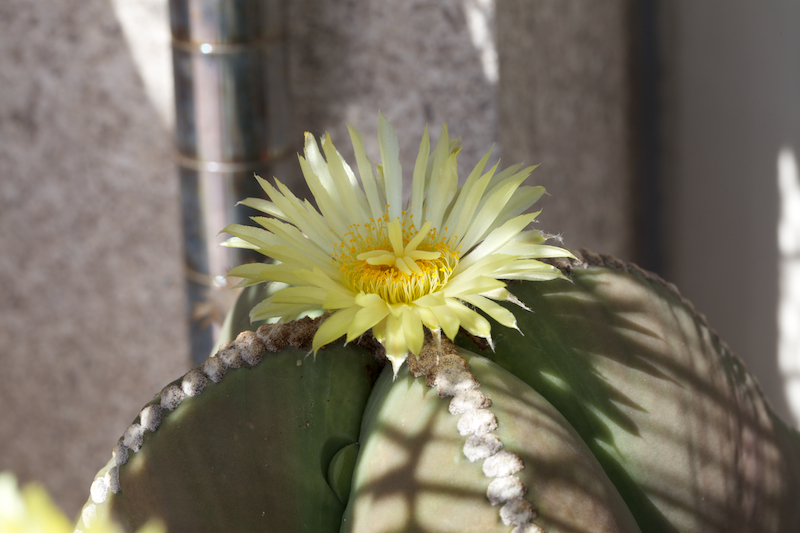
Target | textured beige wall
(91,283)
(564,101)
(415,60)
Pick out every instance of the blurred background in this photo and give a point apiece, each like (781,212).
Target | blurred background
(667,133)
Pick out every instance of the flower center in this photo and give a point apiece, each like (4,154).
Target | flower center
(394,260)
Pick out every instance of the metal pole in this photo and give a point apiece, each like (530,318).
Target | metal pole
(231,122)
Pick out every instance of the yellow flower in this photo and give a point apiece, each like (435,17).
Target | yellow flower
(375,264)
(32,511)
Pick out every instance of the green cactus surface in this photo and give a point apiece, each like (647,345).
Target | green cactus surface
(614,408)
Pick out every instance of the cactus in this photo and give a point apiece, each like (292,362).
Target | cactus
(628,412)
(613,407)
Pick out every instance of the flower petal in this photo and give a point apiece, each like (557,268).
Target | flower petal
(366,318)
(334,327)
(392,173)
(412,329)
(498,312)
(375,197)
(416,202)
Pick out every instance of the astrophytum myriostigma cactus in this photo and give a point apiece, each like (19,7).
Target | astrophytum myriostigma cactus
(613,407)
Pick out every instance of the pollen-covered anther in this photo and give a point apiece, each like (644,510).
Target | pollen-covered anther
(477,422)
(171,397)
(150,417)
(250,347)
(505,489)
(133,437)
(230,356)
(517,513)
(213,368)
(503,463)
(467,400)
(482,446)
(193,383)
(393,260)
(99,490)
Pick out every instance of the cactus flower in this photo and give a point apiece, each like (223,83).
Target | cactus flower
(376,263)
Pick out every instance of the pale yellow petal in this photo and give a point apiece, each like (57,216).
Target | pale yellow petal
(470,320)
(433,299)
(236,242)
(416,203)
(496,240)
(265,206)
(353,202)
(366,318)
(390,161)
(492,208)
(412,330)
(333,327)
(447,319)
(375,198)
(497,312)
(298,295)
(395,342)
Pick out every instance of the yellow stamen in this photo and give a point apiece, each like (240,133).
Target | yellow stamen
(394,261)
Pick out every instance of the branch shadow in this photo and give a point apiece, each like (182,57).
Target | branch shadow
(678,425)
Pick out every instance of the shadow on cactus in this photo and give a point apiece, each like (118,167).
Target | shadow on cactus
(613,408)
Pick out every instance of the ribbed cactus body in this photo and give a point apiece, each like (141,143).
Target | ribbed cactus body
(678,424)
(413,475)
(625,409)
(252,452)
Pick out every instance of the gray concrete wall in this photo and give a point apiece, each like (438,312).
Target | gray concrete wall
(564,102)
(731,105)
(91,283)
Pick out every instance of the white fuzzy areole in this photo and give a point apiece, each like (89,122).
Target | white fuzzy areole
(467,400)
(150,417)
(480,447)
(89,515)
(503,463)
(213,368)
(99,490)
(133,437)
(477,422)
(193,383)
(171,397)
(517,513)
(505,489)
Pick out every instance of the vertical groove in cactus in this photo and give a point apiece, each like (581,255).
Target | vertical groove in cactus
(612,368)
(413,476)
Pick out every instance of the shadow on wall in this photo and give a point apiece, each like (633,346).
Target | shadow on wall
(91,281)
